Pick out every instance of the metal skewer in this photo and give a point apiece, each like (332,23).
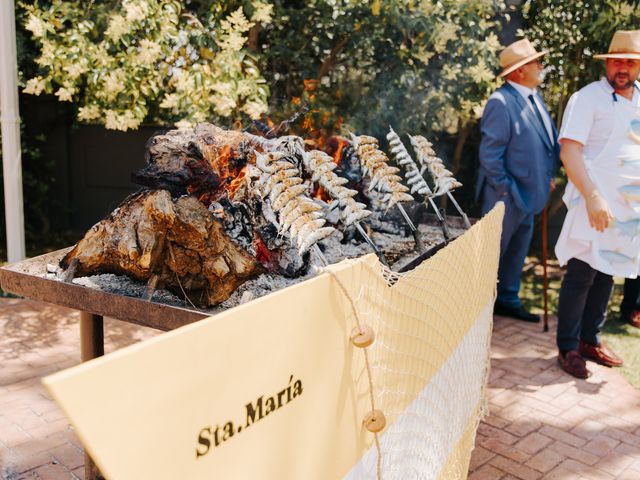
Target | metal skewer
(443,224)
(368,239)
(416,233)
(320,255)
(465,219)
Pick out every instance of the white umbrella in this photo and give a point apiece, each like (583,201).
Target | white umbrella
(10,120)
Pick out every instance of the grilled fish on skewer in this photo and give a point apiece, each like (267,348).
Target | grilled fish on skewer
(314,237)
(383,177)
(413,175)
(444,180)
(322,166)
(429,160)
(280,183)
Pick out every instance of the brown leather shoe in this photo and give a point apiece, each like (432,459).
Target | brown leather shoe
(600,354)
(634,318)
(573,364)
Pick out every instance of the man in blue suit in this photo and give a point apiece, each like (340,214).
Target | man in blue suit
(519,155)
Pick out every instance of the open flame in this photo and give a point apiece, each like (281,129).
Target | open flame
(335,148)
(236,182)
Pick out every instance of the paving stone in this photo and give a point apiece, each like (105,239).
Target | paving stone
(601,445)
(487,472)
(54,472)
(68,455)
(574,453)
(533,443)
(11,435)
(497,434)
(78,473)
(615,463)
(514,468)
(497,447)
(585,471)
(545,460)
(495,421)
(629,474)
(523,426)
(562,436)
(480,456)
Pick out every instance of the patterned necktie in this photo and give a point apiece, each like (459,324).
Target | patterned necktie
(538,114)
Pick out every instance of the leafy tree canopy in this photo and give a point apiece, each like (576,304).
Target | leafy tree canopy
(421,65)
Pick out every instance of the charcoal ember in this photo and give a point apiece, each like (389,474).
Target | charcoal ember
(349,167)
(202,159)
(179,240)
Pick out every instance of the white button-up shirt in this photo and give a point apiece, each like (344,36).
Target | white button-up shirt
(525,92)
(588,118)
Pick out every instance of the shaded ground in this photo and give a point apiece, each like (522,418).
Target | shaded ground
(36,339)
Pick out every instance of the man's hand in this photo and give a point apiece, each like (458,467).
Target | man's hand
(600,215)
(571,154)
(552,185)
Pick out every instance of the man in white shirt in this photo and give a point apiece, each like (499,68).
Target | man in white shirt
(518,162)
(600,138)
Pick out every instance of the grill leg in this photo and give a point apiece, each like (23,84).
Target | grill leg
(91,346)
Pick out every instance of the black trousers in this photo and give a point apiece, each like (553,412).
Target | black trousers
(630,301)
(582,306)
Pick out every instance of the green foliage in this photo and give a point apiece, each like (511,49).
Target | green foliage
(126,61)
(572,31)
(423,66)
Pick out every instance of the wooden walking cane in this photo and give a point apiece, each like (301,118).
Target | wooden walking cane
(545,283)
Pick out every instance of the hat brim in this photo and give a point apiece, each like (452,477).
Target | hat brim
(517,65)
(604,56)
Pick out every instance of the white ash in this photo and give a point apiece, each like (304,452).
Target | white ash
(398,246)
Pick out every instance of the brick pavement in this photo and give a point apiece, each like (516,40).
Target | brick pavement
(543,423)
(36,339)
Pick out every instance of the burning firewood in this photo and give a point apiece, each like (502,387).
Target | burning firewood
(202,159)
(298,215)
(225,206)
(177,240)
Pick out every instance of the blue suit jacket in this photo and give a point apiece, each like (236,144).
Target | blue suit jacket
(517,158)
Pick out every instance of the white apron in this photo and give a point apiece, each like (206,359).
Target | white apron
(616,174)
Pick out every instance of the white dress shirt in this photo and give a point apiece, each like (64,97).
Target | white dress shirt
(588,118)
(525,92)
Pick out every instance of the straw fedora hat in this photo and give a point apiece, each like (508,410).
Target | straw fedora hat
(624,44)
(516,55)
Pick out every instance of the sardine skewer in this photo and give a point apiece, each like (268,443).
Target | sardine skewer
(403,158)
(426,155)
(374,164)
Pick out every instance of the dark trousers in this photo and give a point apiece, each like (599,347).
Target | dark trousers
(630,300)
(582,307)
(517,230)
